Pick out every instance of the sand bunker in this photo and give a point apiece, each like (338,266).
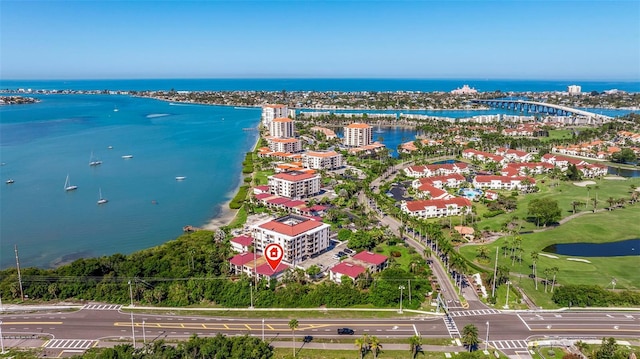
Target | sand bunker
(583,183)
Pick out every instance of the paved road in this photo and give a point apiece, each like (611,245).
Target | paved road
(509,332)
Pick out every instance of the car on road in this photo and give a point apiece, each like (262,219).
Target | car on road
(345,331)
(307,338)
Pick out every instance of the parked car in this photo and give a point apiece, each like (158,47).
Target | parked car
(307,338)
(345,331)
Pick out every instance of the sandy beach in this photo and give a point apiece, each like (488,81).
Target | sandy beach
(225,217)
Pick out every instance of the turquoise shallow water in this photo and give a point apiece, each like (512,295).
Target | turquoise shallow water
(40,144)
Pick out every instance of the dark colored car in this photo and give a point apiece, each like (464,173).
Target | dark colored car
(307,338)
(345,331)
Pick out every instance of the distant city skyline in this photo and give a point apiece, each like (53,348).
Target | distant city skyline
(572,40)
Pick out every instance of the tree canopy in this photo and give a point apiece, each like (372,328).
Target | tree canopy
(544,211)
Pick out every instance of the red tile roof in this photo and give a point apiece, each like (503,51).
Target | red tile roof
(282,119)
(348,269)
(438,203)
(242,258)
(504,179)
(243,240)
(265,269)
(358,125)
(294,176)
(322,154)
(370,257)
(300,225)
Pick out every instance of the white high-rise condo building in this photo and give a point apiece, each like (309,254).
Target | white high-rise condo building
(271,112)
(574,89)
(358,135)
(282,127)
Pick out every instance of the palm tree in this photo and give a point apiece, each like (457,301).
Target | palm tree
(470,336)
(415,342)
(554,271)
(547,273)
(375,346)
(611,201)
(293,324)
(362,344)
(576,204)
(483,252)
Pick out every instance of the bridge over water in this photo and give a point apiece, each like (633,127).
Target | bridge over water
(541,107)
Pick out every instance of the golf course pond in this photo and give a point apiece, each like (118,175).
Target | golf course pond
(629,247)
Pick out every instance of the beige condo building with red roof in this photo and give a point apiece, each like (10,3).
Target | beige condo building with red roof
(282,127)
(358,135)
(319,160)
(299,236)
(290,145)
(294,184)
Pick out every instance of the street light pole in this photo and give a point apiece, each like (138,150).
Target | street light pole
(133,332)
(144,335)
(1,339)
(486,341)
(251,294)
(506,304)
(262,329)
(130,294)
(401,289)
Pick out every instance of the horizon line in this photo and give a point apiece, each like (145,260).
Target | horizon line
(325,78)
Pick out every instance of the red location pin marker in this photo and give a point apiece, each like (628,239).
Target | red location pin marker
(274,253)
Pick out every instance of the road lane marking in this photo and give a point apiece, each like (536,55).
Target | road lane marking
(248,327)
(416,330)
(524,322)
(31,323)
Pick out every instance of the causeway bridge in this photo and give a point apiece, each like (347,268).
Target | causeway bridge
(541,107)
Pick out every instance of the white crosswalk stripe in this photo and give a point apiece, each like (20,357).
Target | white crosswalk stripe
(466,313)
(452,328)
(102,306)
(70,344)
(509,344)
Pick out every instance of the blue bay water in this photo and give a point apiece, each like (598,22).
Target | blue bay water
(41,143)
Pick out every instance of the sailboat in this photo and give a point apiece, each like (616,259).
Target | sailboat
(100,199)
(93,161)
(68,186)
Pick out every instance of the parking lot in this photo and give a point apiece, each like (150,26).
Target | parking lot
(329,258)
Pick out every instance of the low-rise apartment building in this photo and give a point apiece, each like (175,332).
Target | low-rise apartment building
(319,160)
(434,208)
(294,184)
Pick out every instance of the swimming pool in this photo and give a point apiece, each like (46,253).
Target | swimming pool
(471,193)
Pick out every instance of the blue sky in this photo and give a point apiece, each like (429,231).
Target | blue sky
(578,40)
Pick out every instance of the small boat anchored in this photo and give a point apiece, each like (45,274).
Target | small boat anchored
(101,200)
(9,181)
(68,186)
(126,157)
(181,178)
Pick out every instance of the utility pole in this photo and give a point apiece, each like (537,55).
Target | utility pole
(15,247)
(495,273)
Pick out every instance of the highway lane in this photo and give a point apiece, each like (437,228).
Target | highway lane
(95,324)
(509,332)
(92,324)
